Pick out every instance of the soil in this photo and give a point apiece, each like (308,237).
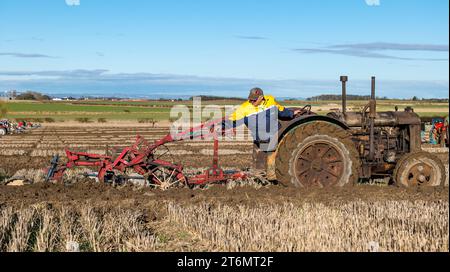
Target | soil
(12,164)
(131,196)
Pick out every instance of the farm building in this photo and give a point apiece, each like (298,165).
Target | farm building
(8,95)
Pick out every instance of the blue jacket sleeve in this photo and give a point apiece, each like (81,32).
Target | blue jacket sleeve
(286,113)
(229,124)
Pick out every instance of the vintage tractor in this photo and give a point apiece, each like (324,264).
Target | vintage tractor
(447,138)
(438,131)
(311,150)
(5,127)
(344,147)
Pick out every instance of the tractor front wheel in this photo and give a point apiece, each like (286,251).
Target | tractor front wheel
(419,169)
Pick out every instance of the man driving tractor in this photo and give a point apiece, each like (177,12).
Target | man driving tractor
(258,102)
(260,113)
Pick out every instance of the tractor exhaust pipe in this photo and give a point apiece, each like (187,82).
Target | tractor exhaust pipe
(344,80)
(372,115)
(373,101)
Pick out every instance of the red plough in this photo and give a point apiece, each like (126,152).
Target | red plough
(142,158)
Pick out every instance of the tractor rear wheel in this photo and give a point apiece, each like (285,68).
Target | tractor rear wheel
(3,131)
(419,169)
(317,154)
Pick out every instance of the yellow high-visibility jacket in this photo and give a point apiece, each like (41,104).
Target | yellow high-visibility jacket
(247,109)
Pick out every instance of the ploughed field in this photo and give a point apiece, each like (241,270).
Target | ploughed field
(239,216)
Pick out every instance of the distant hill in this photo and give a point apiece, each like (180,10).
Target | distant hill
(335,97)
(212,98)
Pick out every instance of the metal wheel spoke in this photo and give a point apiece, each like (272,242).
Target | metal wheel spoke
(164,174)
(301,157)
(311,178)
(176,181)
(165,180)
(316,180)
(331,173)
(171,174)
(319,182)
(303,172)
(158,179)
(334,161)
(315,148)
(306,154)
(326,151)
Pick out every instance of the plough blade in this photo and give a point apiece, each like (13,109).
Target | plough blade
(53,167)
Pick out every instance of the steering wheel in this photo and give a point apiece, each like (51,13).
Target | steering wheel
(306,109)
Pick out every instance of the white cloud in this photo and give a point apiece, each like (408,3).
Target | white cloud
(373,2)
(73,2)
(371,50)
(148,85)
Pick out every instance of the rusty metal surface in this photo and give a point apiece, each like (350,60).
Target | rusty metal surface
(373,102)
(319,164)
(388,118)
(271,174)
(286,126)
(419,174)
(415,138)
(344,80)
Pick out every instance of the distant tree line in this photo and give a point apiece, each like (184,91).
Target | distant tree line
(438,100)
(210,97)
(336,97)
(30,95)
(168,99)
(339,97)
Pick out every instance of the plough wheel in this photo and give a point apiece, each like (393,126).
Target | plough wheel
(166,178)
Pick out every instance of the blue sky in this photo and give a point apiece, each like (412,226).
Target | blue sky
(159,48)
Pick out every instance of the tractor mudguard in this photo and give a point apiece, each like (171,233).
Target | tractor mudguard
(286,126)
